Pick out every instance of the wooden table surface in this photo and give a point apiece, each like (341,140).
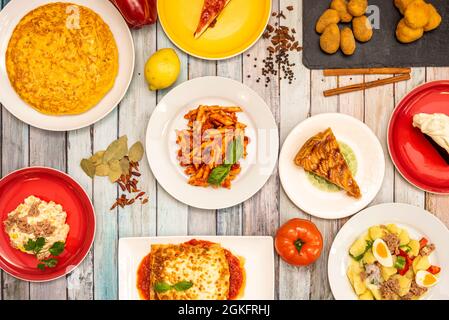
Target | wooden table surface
(97,277)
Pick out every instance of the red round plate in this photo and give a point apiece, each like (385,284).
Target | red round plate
(48,185)
(413,155)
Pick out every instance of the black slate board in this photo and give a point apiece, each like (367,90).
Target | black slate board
(383,50)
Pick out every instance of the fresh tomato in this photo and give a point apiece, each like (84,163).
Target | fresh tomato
(434,270)
(137,13)
(408,262)
(299,242)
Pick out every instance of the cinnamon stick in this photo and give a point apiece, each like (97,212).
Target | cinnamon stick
(350,72)
(366,85)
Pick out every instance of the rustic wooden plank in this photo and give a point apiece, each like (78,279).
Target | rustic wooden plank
(229,220)
(135,112)
(438,204)
(80,283)
(201,222)
(319,104)
(261,212)
(172,215)
(106,238)
(379,104)
(48,149)
(294,282)
(404,192)
(15,151)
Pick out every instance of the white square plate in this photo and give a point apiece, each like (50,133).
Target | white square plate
(257,252)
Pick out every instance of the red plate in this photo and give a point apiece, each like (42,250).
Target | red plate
(413,155)
(48,185)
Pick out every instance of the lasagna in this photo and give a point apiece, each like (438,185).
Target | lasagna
(195,270)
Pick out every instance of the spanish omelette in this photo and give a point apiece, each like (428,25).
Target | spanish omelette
(62,59)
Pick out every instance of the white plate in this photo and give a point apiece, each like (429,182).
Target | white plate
(169,116)
(257,252)
(370,172)
(11,15)
(417,221)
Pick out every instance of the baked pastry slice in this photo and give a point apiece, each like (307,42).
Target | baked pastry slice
(321,155)
(210,12)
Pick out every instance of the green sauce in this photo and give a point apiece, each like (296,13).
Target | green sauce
(322,183)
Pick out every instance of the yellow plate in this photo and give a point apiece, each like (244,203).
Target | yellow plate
(238,27)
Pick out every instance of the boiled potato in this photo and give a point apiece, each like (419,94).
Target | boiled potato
(404,284)
(421,263)
(359,285)
(369,258)
(361,26)
(330,39)
(434,19)
(357,7)
(405,34)
(417,14)
(410,274)
(347,41)
(366,296)
(402,4)
(376,232)
(350,275)
(342,8)
(330,16)
(404,238)
(387,272)
(359,246)
(375,291)
(356,266)
(414,245)
(394,229)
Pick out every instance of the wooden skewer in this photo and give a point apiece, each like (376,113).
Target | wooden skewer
(366,85)
(349,72)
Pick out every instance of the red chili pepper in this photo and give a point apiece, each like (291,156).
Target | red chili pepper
(434,269)
(137,13)
(423,242)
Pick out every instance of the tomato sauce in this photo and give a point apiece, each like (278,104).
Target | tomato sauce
(236,279)
(143,278)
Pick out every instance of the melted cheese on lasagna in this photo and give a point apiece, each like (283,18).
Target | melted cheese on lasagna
(206,267)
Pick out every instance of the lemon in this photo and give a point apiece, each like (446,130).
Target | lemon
(162,69)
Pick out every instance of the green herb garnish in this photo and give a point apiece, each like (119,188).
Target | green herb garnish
(219,174)
(36,247)
(162,287)
(57,248)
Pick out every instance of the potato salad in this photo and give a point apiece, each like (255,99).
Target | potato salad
(386,264)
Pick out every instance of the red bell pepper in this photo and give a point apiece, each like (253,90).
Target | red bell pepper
(423,242)
(137,13)
(408,262)
(434,270)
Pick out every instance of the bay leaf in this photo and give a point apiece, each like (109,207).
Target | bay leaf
(97,158)
(115,170)
(116,150)
(124,165)
(136,152)
(102,170)
(88,167)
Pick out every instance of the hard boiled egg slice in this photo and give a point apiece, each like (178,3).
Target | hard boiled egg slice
(382,253)
(425,279)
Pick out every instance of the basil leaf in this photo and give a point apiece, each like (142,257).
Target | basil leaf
(30,245)
(234,152)
(57,248)
(41,266)
(161,287)
(219,174)
(40,242)
(183,286)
